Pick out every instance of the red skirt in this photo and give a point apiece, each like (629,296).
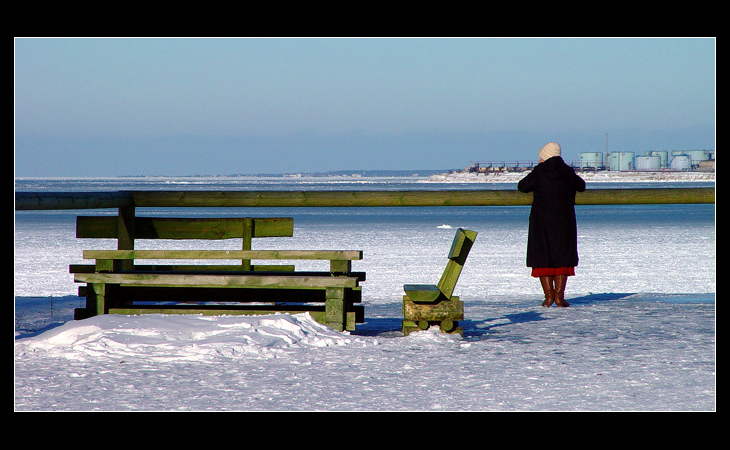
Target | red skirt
(552,271)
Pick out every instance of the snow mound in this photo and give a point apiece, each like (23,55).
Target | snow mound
(181,338)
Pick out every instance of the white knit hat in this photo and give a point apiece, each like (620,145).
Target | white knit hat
(549,150)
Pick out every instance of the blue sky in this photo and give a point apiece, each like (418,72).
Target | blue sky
(107,107)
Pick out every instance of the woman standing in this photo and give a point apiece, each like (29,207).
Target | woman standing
(552,241)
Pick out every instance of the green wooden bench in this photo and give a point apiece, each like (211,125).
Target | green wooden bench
(434,304)
(178,283)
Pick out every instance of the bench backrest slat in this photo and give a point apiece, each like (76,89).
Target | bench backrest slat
(460,248)
(185,228)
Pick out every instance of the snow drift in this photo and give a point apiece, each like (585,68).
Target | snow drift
(178,338)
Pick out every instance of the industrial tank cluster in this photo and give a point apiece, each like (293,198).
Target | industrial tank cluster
(651,161)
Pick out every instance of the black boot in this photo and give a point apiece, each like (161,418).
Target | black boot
(548,289)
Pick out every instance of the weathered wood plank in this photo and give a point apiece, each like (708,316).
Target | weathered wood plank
(335,308)
(246,244)
(453,309)
(181,309)
(327,198)
(97,298)
(476,197)
(471,197)
(229,281)
(336,255)
(461,246)
(458,246)
(87,268)
(644,196)
(426,293)
(36,201)
(125,235)
(186,228)
(146,295)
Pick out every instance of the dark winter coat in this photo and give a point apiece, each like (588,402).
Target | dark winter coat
(552,239)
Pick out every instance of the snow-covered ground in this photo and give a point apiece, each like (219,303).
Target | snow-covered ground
(605,352)
(639,335)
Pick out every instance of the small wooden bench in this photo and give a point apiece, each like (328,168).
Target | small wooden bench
(115,284)
(434,304)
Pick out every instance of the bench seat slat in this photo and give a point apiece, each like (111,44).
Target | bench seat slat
(232,281)
(180,270)
(344,255)
(426,293)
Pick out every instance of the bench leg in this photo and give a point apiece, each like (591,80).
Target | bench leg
(334,309)
(98,291)
(96,302)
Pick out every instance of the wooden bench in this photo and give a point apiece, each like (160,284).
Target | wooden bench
(115,284)
(434,304)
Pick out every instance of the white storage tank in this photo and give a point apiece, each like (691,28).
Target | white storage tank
(648,163)
(663,155)
(681,162)
(698,155)
(590,160)
(621,160)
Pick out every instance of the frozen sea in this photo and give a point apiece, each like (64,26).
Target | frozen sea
(639,335)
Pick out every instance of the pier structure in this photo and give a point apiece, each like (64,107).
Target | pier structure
(471,197)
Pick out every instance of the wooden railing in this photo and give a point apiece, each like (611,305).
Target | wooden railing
(121,199)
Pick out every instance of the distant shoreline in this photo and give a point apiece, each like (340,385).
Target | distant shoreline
(594,177)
